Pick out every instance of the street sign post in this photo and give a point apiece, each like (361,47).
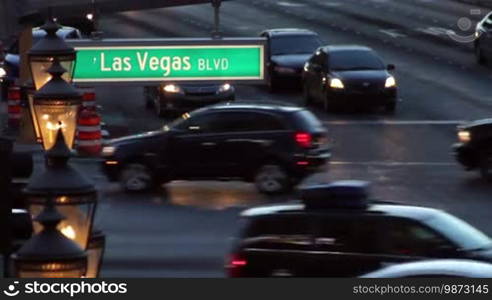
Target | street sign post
(154,61)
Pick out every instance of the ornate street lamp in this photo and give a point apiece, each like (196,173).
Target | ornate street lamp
(95,253)
(44,52)
(74,196)
(50,254)
(55,107)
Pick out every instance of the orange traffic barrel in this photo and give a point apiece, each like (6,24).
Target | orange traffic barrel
(14,106)
(89,137)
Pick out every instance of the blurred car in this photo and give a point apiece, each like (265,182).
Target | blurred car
(474,147)
(12,59)
(271,145)
(351,76)
(287,51)
(483,40)
(435,268)
(170,98)
(336,231)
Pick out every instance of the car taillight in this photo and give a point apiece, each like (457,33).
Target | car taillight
(304,139)
(235,265)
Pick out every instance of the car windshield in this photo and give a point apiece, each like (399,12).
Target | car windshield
(463,234)
(296,44)
(355,60)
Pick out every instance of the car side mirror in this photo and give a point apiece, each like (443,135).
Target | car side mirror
(391,67)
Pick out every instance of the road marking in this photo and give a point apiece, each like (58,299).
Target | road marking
(290,4)
(392,33)
(393,163)
(396,122)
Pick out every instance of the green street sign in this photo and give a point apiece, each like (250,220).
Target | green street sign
(154,61)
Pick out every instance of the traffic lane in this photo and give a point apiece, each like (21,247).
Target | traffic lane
(163,240)
(382,142)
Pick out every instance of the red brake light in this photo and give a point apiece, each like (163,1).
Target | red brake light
(304,139)
(235,264)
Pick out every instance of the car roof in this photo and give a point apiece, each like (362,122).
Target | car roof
(289,31)
(476,123)
(395,210)
(443,267)
(272,106)
(336,48)
(62,32)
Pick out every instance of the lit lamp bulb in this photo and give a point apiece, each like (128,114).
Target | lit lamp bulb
(68,232)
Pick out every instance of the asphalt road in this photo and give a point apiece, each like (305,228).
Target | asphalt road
(183,231)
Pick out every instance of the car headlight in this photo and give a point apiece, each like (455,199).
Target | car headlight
(224,88)
(390,82)
(108,150)
(171,88)
(3,73)
(464,136)
(284,70)
(336,83)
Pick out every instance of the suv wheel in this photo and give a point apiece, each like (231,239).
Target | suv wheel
(479,55)
(136,177)
(486,165)
(272,179)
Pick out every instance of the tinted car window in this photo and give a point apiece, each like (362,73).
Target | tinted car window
(355,60)
(354,235)
(460,232)
(405,237)
(281,232)
(307,121)
(297,44)
(487,23)
(198,124)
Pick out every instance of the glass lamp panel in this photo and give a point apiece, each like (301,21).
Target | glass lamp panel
(39,74)
(67,65)
(52,117)
(77,224)
(93,262)
(41,77)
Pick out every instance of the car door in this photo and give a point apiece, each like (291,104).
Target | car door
(279,246)
(193,145)
(408,240)
(315,73)
(347,245)
(251,137)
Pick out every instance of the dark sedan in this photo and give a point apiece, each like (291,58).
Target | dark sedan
(349,75)
(172,98)
(288,51)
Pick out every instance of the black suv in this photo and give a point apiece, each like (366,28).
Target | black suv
(271,145)
(337,232)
